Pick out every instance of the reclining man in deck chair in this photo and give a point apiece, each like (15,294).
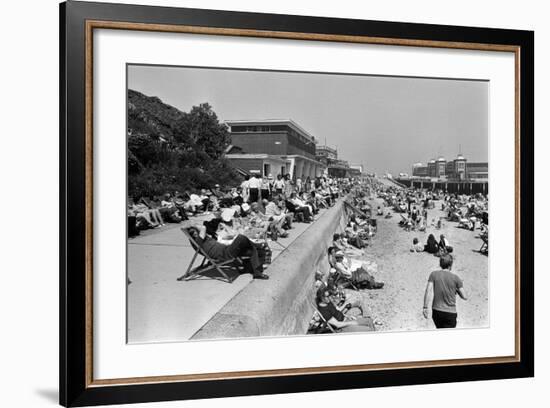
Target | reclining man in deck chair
(336,317)
(241,246)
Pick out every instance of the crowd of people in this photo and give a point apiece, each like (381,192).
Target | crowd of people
(348,273)
(266,207)
(303,199)
(240,220)
(413,205)
(337,302)
(470,212)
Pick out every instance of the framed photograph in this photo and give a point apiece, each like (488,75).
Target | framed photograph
(257,204)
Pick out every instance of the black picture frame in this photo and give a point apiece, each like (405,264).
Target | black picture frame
(75,387)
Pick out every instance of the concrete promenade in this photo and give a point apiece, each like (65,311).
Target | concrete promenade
(162,309)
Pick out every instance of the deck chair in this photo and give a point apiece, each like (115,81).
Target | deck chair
(320,324)
(210,266)
(485,245)
(343,281)
(356,210)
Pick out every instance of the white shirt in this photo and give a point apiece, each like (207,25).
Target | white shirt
(254,183)
(298,202)
(343,268)
(279,184)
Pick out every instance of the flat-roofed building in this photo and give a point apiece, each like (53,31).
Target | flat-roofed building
(478,171)
(275,139)
(326,153)
(419,170)
(458,169)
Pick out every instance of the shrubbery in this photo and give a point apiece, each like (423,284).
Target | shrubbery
(171,150)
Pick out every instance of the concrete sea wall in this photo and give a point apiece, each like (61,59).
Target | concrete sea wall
(281,305)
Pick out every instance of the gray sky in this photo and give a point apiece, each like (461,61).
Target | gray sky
(386,123)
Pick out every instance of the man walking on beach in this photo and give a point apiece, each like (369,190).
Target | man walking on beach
(445,285)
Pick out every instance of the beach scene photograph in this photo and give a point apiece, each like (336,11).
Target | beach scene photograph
(276,203)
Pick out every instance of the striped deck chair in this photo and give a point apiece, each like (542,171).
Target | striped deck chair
(320,325)
(224,270)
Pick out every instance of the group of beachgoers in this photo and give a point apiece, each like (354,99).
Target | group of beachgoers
(339,307)
(468,211)
(413,205)
(240,229)
(335,292)
(301,198)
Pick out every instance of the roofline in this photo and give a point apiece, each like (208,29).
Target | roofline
(254,156)
(295,156)
(290,122)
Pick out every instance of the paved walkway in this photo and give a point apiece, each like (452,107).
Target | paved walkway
(162,309)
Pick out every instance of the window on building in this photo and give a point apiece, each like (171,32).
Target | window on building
(267,169)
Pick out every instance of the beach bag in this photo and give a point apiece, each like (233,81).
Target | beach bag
(264,253)
(268,254)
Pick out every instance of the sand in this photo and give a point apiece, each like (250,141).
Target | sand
(398,306)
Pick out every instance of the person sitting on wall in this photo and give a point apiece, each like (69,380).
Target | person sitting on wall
(240,246)
(273,210)
(301,208)
(324,197)
(311,201)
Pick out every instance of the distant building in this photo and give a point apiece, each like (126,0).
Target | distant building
(431,168)
(339,169)
(273,147)
(336,167)
(440,165)
(325,153)
(477,171)
(357,167)
(458,169)
(419,170)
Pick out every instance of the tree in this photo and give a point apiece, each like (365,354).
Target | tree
(173,150)
(202,128)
